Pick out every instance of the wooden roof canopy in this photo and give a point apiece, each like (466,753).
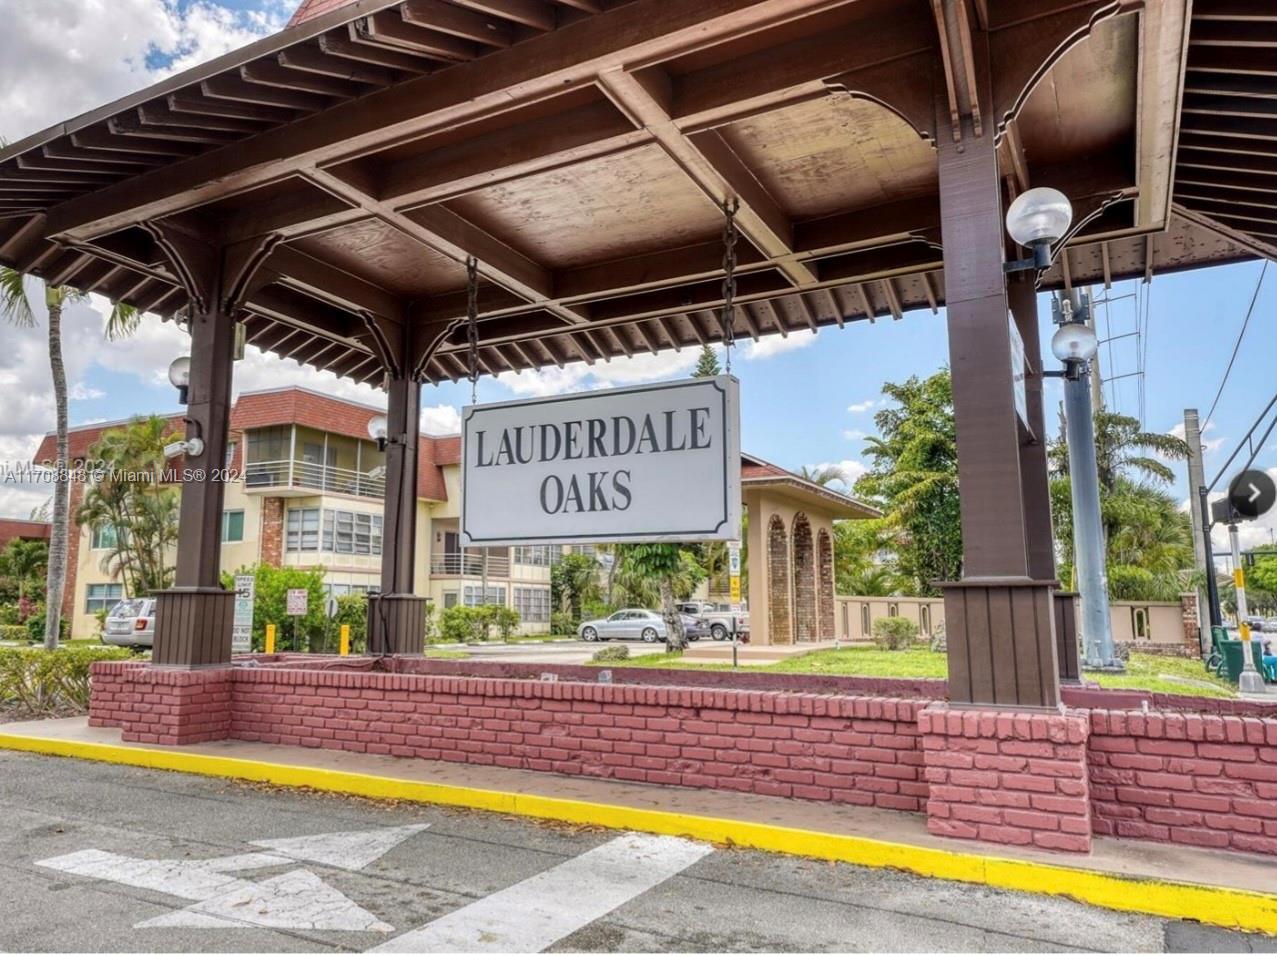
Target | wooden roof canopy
(580,149)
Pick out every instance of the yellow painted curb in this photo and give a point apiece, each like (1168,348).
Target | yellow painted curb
(1215,905)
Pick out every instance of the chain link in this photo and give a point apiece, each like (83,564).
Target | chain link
(729,279)
(472,324)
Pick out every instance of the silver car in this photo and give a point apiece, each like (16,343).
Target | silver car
(637,624)
(131,623)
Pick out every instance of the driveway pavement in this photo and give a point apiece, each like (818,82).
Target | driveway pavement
(553,652)
(102,858)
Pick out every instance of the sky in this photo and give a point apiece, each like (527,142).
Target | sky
(806,400)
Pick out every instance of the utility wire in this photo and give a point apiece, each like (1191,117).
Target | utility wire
(1237,346)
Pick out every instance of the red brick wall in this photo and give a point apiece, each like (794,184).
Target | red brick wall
(849,750)
(161,706)
(1201,779)
(1004,777)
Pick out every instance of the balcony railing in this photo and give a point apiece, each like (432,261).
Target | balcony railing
(468,564)
(305,474)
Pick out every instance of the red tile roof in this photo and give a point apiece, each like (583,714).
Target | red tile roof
(80,440)
(17,529)
(313,8)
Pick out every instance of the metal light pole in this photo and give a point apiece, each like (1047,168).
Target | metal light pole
(1075,344)
(1250,681)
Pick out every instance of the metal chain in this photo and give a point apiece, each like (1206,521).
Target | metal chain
(729,279)
(472,324)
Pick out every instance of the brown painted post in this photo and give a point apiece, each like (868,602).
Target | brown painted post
(193,619)
(396,617)
(1000,617)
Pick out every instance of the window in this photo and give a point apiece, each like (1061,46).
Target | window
(345,590)
(104,537)
(102,597)
(865,624)
(450,599)
(268,444)
(924,618)
(588,550)
(535,555)
(230,453)
(232,526)
(533,604)
(350,532)
(302,529)
(472,593)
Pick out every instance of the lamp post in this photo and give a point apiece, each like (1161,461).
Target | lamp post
(179,376)
(1075,344)
(1038,220)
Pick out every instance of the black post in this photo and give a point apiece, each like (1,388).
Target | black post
(1212,586)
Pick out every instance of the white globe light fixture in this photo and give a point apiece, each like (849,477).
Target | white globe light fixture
(179,376)
(1074,344)
(379,431)
(1038,219)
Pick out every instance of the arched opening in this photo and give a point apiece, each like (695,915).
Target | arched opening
(805,619)
(924,619)
(825,585)
(1139,623)
(778,621)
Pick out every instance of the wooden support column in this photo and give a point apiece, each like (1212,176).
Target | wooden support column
(1001,640)
(397,616)
(193,618)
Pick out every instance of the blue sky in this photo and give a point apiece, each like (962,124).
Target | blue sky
(798,396)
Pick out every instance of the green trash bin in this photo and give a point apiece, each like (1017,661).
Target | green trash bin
(1232,651)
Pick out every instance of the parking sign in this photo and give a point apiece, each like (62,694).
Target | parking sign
(242,625)
(298,602)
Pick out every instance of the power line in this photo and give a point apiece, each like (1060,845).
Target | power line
(1236,346)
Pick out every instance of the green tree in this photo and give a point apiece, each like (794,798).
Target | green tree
(823,474)
(271,604)
(15,307)
(672,572)
(913,479)
(24,564)
(128,498)
(1123,448)
(574,582)
(707,365)
(864,558)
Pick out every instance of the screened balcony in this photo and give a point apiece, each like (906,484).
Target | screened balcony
(294,461)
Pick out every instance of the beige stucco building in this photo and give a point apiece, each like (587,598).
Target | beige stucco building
(306,492)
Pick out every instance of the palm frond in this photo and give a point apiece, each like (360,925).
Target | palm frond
(14,304)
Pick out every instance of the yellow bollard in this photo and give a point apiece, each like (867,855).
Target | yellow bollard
(345,640)
(270,638)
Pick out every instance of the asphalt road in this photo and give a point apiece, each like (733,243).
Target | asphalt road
(98,858)
(553,652)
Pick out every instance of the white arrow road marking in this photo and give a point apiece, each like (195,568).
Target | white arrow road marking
(534,914)
(295,900)
(352,850)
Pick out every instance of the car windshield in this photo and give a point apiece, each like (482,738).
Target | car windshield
(127,609)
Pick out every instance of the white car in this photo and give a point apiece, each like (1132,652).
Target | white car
(131,623)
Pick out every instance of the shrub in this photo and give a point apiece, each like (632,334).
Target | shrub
(461,625)
(506,620)
(35,627)
(563,622)
(9,614)
(894,633)
(14,632)
(613,652)
(40,682)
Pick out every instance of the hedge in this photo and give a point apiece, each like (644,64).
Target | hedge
(39,682)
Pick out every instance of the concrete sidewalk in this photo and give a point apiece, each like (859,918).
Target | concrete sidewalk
(1220,888)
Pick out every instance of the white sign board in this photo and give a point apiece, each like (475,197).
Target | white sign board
(298,602)
(242,625)
(652,463)
(1019,369)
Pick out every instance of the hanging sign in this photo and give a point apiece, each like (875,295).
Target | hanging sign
(242,624)
(652,463)
(1019,371)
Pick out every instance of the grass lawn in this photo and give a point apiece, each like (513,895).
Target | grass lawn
(1167,675)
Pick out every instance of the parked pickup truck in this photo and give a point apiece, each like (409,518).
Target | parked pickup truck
(719,617)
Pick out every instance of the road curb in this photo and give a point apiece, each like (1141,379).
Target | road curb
(1223,906)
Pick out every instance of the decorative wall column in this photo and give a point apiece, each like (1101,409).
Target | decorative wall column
(193,618)
(1001,639)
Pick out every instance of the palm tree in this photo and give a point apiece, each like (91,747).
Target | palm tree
(823,475)
(1121,445)
(24,562)
(15,307)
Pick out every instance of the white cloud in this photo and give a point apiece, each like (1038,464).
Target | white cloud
(74,55)
(774,345)
(851,469)
(79,392)
(1209,446)
(859,408)
(440,420)
(853,434)
(580,377)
